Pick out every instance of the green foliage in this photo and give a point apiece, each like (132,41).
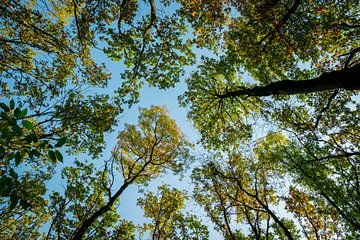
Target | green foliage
(219,121)
(240,191)
(47,66)
(24,145)
(167,219)
(83,194)
(156,145)
(299,153)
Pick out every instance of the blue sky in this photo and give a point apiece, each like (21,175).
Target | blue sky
(152,96)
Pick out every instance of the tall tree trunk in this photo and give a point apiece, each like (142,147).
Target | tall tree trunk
(348,78)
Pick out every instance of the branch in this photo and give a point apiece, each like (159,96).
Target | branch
(325,108)
(351,56)
(283,20)
(84,226)
(77,23)
(347,79)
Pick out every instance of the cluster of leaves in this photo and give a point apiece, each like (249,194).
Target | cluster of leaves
(219,120)
(47,64)
(167,219)
(23,142)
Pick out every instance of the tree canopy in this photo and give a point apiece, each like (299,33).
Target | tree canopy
(272,89)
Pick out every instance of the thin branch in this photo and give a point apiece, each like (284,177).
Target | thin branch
(323,110)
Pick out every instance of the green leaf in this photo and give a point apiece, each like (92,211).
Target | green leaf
(12,122)
(18,130)
(28,139)
(13,199)
(17,112)
(17,158)
(61,142)
(35,152)
(24,204)
(25,193)
(4,115)
(52,155)
(9,156)
(5,185)
(12,104)
(23,113)
(59,156)
(27,124)
(13,173)
(34,138)
(2,150)
(4,107)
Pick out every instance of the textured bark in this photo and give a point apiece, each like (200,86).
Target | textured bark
(348,79)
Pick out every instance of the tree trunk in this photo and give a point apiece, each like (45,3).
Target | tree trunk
(80,232)
(348,79)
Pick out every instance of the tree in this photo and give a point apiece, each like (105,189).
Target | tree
(46,68)
(250,190)
(167,219)
(241,192)
(48,65)
(141,155)
(315,219)
(87,205)
(304,62)
(290,47)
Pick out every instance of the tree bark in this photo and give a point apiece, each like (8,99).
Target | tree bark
(80,232)
(348,79)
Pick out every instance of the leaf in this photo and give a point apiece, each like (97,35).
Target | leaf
(5,191)
(13,199)
(4,115)
(52,155)
(24,204)
(17,112)
(17,158)
(34,138)
(59,156)
(61,142)
(18,130)
(23,113)
(9,156)
(27,124)
(5,185)
(25,193)
(35,152)
(12,122)
(28,139)
(13,173)
(12,104)
(4,107)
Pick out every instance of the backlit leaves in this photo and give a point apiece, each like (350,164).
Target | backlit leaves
(157,144)
(167,218)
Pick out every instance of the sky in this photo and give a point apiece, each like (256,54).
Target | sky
(152,96)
